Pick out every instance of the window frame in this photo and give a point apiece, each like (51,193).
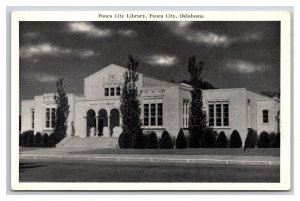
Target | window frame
(217,120)
(265,116)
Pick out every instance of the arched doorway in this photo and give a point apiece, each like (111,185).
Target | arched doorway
(114,119)
(90,123)
(102,121)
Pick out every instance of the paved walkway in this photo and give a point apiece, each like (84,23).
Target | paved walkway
(63,153)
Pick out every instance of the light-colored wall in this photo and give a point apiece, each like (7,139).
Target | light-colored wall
(237,109)
(26,107)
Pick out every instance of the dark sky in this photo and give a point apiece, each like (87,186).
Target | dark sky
(235,54)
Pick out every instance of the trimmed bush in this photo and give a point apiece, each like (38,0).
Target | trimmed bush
(122,141)
(37,141)
(235,140)
(264,140)
(139,141)
(25,136)
(165,141)
(251,139)
(222,141)
(52,140)
(209,138)
(151,141)
(45,140)
(194,138)
(277,142)
(181,140)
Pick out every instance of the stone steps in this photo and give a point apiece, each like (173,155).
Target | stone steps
(99,142)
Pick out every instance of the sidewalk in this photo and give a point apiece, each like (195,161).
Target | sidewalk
(63,153)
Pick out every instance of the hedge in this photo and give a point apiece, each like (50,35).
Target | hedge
(222,141)
(37,141)
(139,141)
(152,141)
(251,139)
(165,141)
(181,140)
(235,140)
(264,140)
(209,138)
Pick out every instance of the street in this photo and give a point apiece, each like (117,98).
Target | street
(98,171)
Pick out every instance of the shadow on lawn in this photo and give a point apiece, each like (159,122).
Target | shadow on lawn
(24,166)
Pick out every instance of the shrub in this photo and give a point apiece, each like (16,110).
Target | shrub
(125,141)
(181,140)
(209,138)
(52,140)
(274,140)
(37,141)
(45,140)
(264,140)
(139,141)
(165,141)
(222,141)
(20,139)
(151,141)
(194,138)
(25,136)
(235,140)
(251,138)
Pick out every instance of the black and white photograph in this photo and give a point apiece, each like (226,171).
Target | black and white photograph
(185,100)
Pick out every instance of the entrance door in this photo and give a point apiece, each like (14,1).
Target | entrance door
(102,121)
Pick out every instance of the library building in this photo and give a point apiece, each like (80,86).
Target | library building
(164,106)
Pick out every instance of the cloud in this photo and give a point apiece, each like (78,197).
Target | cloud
(47,49)
(41,77)
(242,66)
(89,29)
(162,60)
(208,38)
(127,33)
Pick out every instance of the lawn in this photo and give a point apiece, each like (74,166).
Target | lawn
(201,151)
(95,171)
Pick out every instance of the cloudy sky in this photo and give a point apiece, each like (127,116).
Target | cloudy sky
(235,54)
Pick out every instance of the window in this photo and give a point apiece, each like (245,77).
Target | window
(53,117)
(106,92)
(153,114)
(265,116)
(47,117)
(112,91)
(185,113)
(118,89)
(218,113)
(159,114)
(146,114)
(50,117)
(32,118)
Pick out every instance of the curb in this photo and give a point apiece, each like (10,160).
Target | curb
(150,160)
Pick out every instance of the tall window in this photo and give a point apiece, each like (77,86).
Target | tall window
(50,117)
(53,117)
(112,91)
(153,114)
(218,113)
(47,117)
(185,112)
(32,118)
(146,114)
(265,116)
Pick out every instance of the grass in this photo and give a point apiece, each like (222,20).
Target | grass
(201,151)
(95,171)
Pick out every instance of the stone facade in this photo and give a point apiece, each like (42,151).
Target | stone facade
(164,105)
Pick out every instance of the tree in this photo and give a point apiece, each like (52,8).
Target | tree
(62,112)
(197,117)
(151,141)
(130,104)
(139,141)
